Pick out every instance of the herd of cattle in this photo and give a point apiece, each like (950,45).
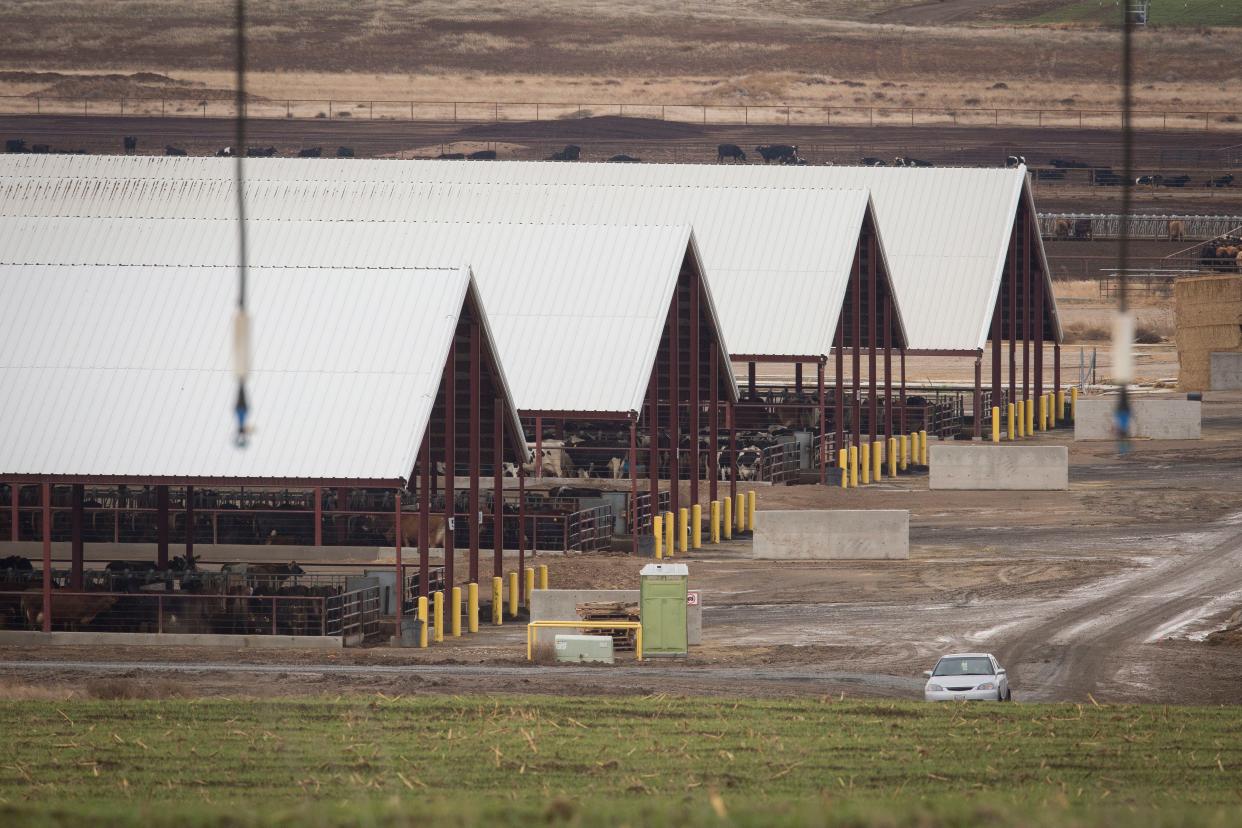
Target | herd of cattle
(1222,254)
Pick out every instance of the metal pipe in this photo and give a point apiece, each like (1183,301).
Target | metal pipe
(161,527)
(888,368)
(873,325)
(857,373)
(674,404)
(823,424)
(695,354)
(189,524)
(400,566)
(424,516)
(498,488)
(46,495)
(713,377)
(633,510)
(450,463)
(839,382)
(75,536)
(475,438)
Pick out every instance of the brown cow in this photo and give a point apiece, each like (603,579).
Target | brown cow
(73,609)
(1062,229)
(411,522)
(1177,230)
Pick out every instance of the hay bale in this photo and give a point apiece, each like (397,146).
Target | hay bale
(1208,317)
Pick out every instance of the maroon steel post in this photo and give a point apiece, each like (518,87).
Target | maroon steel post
(1027,314)
(522,525)
(840,382)
(798,378)
(888,368)
(674,402)
(731,413)
(476,403)
(318,495)
(823,423)
(1056,374)
(189,523)
(978,403)
(498,488)
(13,486)
(653,430)
(538,446)
(996,353)
(902,352)
(424,516)
(695,354)
(873,325)
(397,540)
(750,379)
(46,493)
(633,521)
(1038,278)
(713,462)
(75,536)
(857,320)
(450,465)
(1013,318)
(161,526)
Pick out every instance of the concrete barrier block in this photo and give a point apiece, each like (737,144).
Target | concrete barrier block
(561,605)
(833,535)
(1166,419)
(1225,371)
(28,638)
(984,467)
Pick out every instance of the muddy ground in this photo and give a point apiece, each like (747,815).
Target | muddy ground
(1116,590)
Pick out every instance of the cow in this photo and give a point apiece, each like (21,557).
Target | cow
(15,145)
(624,159)
(482,155)
(555,460)
(1149,180)
(130,142)
(1177,230)
(1068,164)
(572,152)
(310,152)
(1015,161)
(1082,229)
(1220,181)
(411,525)
(41,149)
(617,466)
(730,151)
(344,152)
(169,149)
(224,152)
(872,161)
(1177,180)
(508,469)
(902,161)
(16,563)
(451,156)
(74,609)
(782,153)
(1061,229)
(260,152)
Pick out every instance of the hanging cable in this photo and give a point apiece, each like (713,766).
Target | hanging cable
(1123,327)
(241,320)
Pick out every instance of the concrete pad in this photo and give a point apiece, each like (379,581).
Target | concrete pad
(1005,467)
(560,605)
(1166,419)
(1225,371)
(30,638)
(832,535)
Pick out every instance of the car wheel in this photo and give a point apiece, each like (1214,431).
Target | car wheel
(1008,694)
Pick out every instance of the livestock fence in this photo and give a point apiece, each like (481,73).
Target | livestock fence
(715,114)
(1087,226)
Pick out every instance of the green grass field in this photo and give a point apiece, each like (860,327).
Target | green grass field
(475,760)
(1163,12)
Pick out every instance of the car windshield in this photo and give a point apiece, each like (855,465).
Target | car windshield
(963,667)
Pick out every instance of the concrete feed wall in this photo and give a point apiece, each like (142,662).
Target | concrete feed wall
(989,467)
(1150,419)
(833,535)
(561,605)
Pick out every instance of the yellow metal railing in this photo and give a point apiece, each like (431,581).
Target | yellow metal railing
(535,626)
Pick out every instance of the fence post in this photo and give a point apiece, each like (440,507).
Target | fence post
(273,615)
(159,614)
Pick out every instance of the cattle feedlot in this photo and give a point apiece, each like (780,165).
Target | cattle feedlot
(655,414)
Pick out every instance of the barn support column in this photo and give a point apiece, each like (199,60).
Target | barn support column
(534,536)
(316,493)
(674,405)
(189,526)
(1027,313)
(498,488)
(840,383)
(1039,331)
(1013,319)
(978,403)
(873,343)
(633,510)
(902,352)
(1056,372)
(857,373)
(75,536)
(538,446)
(653,433)
(996,354)
(476,460)
(888,369)
(450,463)
(695,354)
(13,531)
(798,378)
(823,423)
(731,412)
(46,497)
(161,527)
(397,562)
(713,420)
(750,379)
(424,516)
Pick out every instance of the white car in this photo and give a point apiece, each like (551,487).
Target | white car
(967,677)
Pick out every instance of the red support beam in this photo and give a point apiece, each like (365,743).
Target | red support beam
(888,367)
(161,526)
(521,529)
(1013,317)
(856,318)
(538,446)
(1040,298)
(78,494)
(978,403)
(731,413)
(424,516)
(476,404)
(750,378)
(653,431)
(823,423)
(1027,314)
(1056,370)
(400,565)
(45,490)
(318,495)
(798,378)
(13,532)
(633,510)
(997,336)
(713,420)
(902,352)
(873,327)
(840,382)
(450,463)
(189,524)
(674,403)
(498,488)
(695,354)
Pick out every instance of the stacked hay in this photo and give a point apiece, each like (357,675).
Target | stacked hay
(1208,313)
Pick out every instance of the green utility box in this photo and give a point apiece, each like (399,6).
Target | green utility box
(578,648)
(663,589)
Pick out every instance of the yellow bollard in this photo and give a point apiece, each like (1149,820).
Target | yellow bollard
(498,601)
(877,461)
(513,594)
(1030,417)
(726,518)
(670,528)
(892,456)
(1021,419)
(422,616)
(1043,412)
(751,501)
(657,533)
(739,513)
(472,607)
(1073,404)
(437,612)
(714,515)
(683,530)
(1009,412)
(543,576)
(905,452)
(864,459)
(996,424)
(455,612)
(843,460)
(853,467)
(1058,409)
(696,526)
(528,585)
(923,446)
(914,448)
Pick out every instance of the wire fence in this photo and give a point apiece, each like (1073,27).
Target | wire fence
(497,111)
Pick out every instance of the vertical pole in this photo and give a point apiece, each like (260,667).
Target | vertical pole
(750,379)
(873,326)
(1038,278)
(978,401)
(46,496)
(633,510)
(75,536)
(538,446)
(839,383)
(161,526)
(857,373)
(317,493)
(189,523)
(534,539)
(888,367)
(398,531)
(13,533)
(476,404)
(996,353)
(695,354)
(498,488)
(713,419)
(1026,307)
(798,378)
(450,462)
(1056,377)
(424,517)
(823,423)
(674,402)
(653,432)
(731,413)
(902,352)
(1013,318)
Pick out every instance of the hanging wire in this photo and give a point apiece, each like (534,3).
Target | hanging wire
(1123,328)
(241,320)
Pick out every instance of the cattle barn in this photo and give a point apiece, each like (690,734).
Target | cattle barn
(119,434)
(585,319)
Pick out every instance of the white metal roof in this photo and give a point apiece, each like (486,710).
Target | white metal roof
(945,230)
(125,371)
(577,311)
